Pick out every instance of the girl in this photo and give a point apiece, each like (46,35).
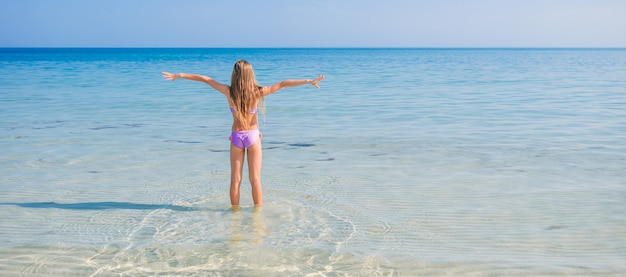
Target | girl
(244,97)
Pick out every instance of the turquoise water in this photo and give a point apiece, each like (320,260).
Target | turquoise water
(406,162)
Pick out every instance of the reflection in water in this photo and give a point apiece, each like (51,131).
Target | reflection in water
(258,225)
(235,227)
(246,226)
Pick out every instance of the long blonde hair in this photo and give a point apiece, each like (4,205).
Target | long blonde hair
(245,93)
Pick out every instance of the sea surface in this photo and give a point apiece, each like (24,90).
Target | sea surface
(407,162)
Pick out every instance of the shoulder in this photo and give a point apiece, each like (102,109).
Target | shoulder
(263,90)
(223,89)
(267,90)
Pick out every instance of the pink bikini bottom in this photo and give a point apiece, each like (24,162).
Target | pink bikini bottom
(244,139)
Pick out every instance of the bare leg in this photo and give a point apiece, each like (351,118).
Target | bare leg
(236,168)
(255,159)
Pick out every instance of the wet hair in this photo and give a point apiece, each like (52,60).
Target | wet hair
(245,93)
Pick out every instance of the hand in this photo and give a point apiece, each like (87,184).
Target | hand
(317,80)
(170,76)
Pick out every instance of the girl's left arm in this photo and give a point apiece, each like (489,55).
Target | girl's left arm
(224,89)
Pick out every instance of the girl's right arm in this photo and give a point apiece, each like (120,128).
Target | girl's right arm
(292,83)
(224,89)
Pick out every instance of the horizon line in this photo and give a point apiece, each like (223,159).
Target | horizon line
(313,47)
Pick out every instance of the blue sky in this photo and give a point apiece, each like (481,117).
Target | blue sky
(313,23)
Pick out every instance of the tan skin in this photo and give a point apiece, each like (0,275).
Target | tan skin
(237,155)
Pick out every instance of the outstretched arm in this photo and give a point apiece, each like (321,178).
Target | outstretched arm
(292,83)
(224,89)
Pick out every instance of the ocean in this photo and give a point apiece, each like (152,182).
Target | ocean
(407,162)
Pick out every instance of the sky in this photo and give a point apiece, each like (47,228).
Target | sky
(313,23)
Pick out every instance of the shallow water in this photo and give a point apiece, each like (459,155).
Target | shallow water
(407,162)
